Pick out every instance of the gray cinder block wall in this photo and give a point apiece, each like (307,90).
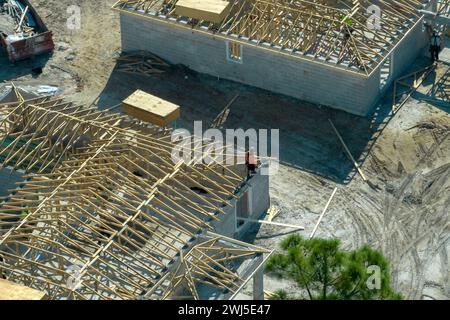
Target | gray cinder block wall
(306,80)
(412,45)
(402,57)
(259,202)
(300,78)
(257,188)
(227,224)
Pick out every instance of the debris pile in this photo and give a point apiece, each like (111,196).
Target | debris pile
(22,32)
(24,23)
(143,63)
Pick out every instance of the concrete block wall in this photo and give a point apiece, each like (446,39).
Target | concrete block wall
(227,224)
(412,45)
(260,195)
(258,189)
(259,202)
(302,79)
(402,57)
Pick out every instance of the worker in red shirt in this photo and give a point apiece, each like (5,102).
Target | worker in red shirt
(250,161)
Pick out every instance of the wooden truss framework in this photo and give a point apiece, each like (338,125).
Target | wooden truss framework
(410,82)
(106,200)
(210,262)
(332,31)
(444,7)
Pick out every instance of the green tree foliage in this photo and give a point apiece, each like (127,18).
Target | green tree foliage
(279,295)
(324,271)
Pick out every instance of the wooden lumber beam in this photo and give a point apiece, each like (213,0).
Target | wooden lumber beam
(349,154)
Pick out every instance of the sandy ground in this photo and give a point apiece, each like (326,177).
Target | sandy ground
(83,58)
(405,211)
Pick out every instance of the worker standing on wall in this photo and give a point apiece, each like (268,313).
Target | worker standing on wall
(435,46)
(250,161)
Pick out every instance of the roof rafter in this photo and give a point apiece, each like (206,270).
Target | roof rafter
(103,196)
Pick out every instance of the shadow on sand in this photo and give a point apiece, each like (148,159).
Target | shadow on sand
(9,71)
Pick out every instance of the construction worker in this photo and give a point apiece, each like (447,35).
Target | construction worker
(348,29)
(435,46)
(250,161)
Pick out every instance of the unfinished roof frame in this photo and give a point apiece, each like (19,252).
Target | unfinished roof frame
(106,199)
(326,31)
(443,7)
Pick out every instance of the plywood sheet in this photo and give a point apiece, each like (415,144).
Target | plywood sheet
(13,291)
(149,108)
(209,10)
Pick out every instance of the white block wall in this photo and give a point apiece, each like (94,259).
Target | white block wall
(302,79)
(259,203)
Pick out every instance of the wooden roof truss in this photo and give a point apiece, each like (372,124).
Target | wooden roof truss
(444,8)
(103,197)
(331,31)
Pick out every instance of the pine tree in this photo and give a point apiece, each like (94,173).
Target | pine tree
(324,271)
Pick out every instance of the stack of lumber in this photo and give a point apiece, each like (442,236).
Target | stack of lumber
(272,213)
(207,10)
(143,63)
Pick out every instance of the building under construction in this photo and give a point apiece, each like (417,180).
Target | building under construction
(104,212)
(341,54)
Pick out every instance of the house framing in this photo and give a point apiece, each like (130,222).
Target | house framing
(105,214)
(319,50)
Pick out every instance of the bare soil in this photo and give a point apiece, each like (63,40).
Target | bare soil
(405,210)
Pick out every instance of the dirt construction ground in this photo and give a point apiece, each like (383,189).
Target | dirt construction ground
(404,210)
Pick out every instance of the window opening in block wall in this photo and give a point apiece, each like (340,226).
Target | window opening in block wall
(234,51)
